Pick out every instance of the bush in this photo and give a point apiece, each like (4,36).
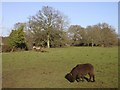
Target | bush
(19,49)
(6,48)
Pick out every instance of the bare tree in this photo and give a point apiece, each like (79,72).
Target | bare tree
(102,34)
(47,19)
(96,35)
(108,35)
(77,34)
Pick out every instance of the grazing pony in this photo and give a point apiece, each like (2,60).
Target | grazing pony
(39,49)
(79,71)
(43,51)
(36,48)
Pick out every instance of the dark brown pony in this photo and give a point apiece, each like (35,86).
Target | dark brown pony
(80,71)
(43,51)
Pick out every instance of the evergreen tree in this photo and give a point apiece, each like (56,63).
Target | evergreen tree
(16,38)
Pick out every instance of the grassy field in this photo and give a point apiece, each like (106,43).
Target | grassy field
(31,69)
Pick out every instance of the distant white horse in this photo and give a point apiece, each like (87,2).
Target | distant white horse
(37,48)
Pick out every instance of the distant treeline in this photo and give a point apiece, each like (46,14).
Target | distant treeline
(50,28)
(96,35)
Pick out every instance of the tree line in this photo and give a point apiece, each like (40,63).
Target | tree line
(50,28)
(96,35)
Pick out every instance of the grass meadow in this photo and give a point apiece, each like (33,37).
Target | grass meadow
(33,69)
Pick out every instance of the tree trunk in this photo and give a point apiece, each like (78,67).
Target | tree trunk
(12,49)
(48,41)
(88,44)
(92,42)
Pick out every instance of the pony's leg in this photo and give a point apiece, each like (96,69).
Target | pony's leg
(82,78)
(89,78)
(77,78)
(93,78)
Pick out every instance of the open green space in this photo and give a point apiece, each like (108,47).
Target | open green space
(33,69)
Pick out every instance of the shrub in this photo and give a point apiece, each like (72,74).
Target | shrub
(6,48)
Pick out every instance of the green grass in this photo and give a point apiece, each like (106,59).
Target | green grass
(31,69)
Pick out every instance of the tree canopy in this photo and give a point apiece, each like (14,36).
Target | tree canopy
(47,26)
